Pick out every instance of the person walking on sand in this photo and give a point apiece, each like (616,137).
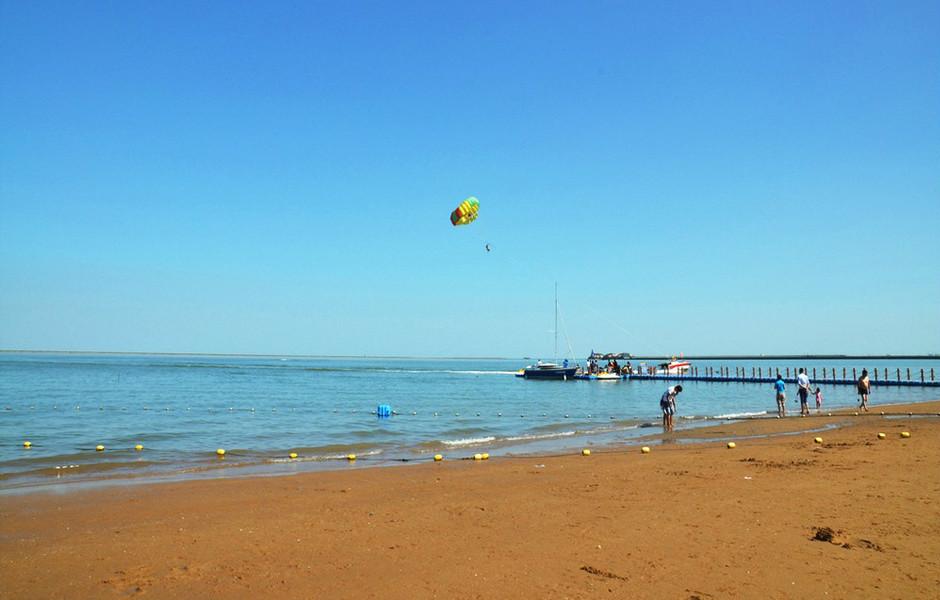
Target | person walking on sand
(864,388)
(668,405)
(802,381)
(781,387)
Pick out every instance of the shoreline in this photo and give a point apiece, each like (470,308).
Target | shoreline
(692,430)
(687,520)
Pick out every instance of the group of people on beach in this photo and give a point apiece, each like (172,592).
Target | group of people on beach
(667,402)
(803,391)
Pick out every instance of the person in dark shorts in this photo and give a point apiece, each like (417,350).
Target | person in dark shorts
(864,388)
(802,382)
(668,405)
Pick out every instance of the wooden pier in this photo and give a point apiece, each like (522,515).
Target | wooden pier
(882,376)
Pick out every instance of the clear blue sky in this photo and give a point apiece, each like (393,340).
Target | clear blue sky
(277,177)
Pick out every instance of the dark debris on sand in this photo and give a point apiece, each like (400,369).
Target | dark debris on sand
(824,534)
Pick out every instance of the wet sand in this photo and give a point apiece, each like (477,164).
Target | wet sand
(685,521)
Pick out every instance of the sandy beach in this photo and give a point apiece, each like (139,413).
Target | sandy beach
(688,520)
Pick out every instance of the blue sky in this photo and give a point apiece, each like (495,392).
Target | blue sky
(698,177)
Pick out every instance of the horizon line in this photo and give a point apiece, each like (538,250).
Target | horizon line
(398,356)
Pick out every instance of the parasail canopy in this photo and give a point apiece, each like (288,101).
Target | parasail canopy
(466,213)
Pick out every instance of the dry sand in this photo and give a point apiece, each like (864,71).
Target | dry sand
(685,521)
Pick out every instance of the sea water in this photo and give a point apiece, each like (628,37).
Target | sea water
(260,409)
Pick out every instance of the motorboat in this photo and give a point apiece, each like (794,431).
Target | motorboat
(674,367)
(547,370)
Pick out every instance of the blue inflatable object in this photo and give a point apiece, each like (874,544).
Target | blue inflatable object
(384,410)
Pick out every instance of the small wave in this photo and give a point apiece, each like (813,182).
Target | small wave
(322,457)
(480,372)
(467,441)
(740,414)
(366,453)
(539,436)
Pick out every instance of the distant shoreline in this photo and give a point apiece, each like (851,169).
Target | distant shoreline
(775,357)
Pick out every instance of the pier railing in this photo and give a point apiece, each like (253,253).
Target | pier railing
(880,376)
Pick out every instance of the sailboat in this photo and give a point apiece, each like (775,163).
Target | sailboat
(551,370)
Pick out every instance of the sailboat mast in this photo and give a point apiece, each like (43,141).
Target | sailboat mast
(556,322)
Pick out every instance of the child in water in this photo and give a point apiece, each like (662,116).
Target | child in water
(818,399)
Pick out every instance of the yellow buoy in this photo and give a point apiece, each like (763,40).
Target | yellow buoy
(585,452)
(139,447)
(220,452)
(292,455)
(818,440)
(438,458)
(27,444)
(486,456)
(905,434)
(99,448)
(732,445)
(881,436)
(645,449)
(477,457)
(350,457)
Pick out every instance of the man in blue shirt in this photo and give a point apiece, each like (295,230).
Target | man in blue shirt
(781,387)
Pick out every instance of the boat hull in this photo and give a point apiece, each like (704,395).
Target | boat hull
(562,373)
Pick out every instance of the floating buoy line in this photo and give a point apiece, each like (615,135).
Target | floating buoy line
(353,458)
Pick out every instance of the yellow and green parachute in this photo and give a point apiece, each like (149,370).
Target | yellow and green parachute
(466,213)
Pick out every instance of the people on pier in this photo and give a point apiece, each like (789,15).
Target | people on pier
(864,388)
(781,388)
(802,382)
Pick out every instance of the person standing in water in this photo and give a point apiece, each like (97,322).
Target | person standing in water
(781,387)
(802,381)
(668,405)
(864,388)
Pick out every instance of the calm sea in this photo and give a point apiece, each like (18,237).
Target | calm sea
(182,408)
